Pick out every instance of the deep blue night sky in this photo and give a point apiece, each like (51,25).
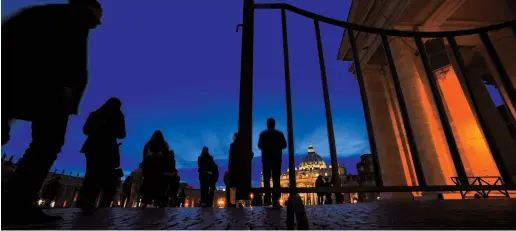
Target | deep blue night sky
(176,67)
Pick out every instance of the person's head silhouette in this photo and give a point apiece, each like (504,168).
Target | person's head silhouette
(271,123)
(113,104)
(157,136)
(205,150)
(235,136)
(90,12)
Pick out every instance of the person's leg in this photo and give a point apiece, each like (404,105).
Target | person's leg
(266,183)
(204,189)
(90,188)
(276,176)
(108,185)
(48,134)
(211,193)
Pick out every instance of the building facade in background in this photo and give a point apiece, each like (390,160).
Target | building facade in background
(312,165)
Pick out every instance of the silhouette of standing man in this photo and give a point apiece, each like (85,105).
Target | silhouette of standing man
(44,75)
(271,142)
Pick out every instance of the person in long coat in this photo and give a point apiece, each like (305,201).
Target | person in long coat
(44,75)
(208,176)
(103,127)
(154,167)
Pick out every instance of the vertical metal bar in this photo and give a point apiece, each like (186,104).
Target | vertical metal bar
(365,105)
(506,84)
(461,72)
(290,126)
(404,114)
(445,121)
(327,106)
(245,109)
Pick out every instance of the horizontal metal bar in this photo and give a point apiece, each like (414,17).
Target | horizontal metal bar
(375,30)
(357,189)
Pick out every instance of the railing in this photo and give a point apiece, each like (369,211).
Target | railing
(483,181)
(246,100)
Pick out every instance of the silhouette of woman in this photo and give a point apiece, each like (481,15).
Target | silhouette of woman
(154,166)
(103,127)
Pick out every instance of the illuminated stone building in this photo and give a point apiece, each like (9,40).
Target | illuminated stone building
(312,165)
(70,185)
(431,145)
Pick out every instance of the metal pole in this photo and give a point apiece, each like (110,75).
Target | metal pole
(505,84)
(404,114)
(327,106)
(290,126)
(245,109)
(445,122)
(460,69)
(365,106)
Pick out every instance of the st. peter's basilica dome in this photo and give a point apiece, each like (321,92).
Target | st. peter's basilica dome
(312,160)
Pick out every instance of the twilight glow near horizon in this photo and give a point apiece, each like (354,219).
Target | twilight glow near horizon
(176,67)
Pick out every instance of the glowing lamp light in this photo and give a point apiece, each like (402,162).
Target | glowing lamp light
(221,203)
(251,196)
(118,203)
(52,204)
(40,202)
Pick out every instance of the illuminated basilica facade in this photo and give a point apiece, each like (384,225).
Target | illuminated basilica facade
(312,165)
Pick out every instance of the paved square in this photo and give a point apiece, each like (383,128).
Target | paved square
(460,214)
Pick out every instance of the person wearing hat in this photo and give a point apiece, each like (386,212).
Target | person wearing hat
(44,75)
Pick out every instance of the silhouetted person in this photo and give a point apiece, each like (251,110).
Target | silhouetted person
(154,165)
(103,127)
(50,190)
(208,176)
(44,75)
(318,184)
(272,142)
(172,180)
(182,198)
(328,184)
(234,176)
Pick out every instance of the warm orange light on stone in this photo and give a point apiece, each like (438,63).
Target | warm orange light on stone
(475,153)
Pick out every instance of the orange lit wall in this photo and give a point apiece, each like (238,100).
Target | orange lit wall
(431,144)
(399,130)
(475,154)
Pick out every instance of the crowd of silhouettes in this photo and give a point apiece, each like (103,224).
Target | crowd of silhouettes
(44,76)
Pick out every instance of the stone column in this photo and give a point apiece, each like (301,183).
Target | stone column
(432,147)
(388,144)
(495,125)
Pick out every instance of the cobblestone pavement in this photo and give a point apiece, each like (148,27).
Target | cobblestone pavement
(461,214)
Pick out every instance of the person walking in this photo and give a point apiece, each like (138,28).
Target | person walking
(44,75)
(103,127)
(208,176)
(154,165)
